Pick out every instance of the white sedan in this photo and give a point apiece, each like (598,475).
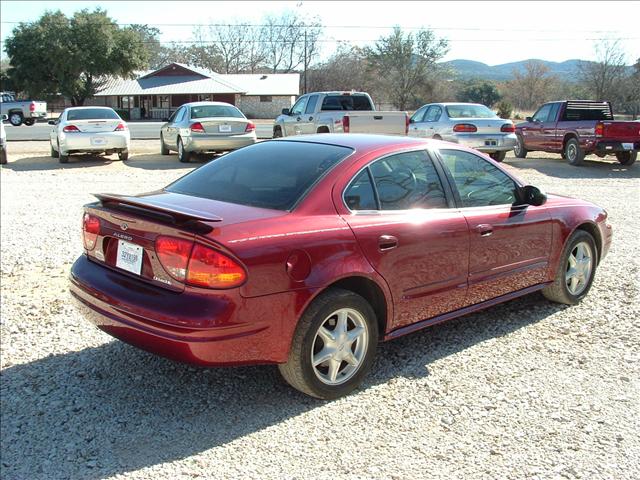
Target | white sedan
(89,130)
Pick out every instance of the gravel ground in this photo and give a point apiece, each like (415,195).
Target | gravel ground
(528,389)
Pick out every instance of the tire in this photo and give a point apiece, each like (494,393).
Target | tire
(3,156)
(559,291)
(498,156)
(16,118)
(573,153)
(626,158)
(183,155)
(437,137)
(277,132)
(62,158)
(54,153)
(163,148)
(519,150)
(123,155)
(29,122)
(299,370)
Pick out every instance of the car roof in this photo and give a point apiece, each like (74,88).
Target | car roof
(89,108)
(358,141)
(203,103)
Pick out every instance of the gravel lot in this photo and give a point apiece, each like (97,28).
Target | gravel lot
(527,389)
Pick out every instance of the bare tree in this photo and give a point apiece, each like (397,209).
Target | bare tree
(346,69)
(604,78)
(231,44)
(530,87)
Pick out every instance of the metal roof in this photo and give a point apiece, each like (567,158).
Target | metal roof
(266,84)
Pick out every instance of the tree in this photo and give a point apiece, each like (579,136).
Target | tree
(604,78)
(531,87)
(346,69)
(480,92)
(149,36)
(72,56)
(405,64)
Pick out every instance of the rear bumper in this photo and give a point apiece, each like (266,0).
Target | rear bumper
(616,147)
(500,142)
(94,142)
(204,143)
(37,115)
(196,326)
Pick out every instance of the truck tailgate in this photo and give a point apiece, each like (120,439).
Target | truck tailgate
(622,131)
(389,123)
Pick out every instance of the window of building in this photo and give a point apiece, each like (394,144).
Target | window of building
(266,99)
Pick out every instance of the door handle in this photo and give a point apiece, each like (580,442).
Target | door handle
(484,229)
(310,118)
(298,119)
(387,242)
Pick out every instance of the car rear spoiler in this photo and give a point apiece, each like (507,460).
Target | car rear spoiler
(181,216)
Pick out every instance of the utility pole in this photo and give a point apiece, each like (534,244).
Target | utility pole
(305,60)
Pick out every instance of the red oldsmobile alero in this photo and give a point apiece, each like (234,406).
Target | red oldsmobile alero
(306,252)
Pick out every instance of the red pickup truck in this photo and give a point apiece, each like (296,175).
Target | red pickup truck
(575,128)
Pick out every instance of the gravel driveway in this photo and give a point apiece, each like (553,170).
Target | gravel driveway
(528,389)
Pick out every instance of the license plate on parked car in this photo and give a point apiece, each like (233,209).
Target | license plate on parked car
(98,141)
(627,146)
(129,257)
(224,128)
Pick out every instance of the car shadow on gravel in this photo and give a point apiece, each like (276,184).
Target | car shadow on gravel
(592,168)
(26,164)
(113,409)
(166,162)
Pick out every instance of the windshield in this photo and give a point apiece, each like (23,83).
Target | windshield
(208,111)
(274,174)
(469,111)
(92,114)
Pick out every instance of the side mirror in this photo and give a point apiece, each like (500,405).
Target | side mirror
(411,120)
(529,119)
(3,118)
(530,195)
(51,122)
(285,111)
(165,119)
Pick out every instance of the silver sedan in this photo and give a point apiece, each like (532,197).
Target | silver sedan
(206,127)
(470,124)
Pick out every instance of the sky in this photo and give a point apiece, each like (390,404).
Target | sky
(490,32)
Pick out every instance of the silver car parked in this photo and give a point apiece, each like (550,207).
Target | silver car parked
(199,127)
(470,124)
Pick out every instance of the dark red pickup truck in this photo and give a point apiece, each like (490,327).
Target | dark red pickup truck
(575,128)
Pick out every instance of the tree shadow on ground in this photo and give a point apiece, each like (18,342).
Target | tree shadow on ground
(112,409)
(26,164)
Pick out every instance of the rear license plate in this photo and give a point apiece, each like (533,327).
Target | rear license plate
(627,146)
(98,141)
(224,128)
(129,257)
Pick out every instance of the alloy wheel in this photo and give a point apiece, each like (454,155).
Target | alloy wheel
(579,267)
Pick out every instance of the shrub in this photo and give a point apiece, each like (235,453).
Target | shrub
(505,109)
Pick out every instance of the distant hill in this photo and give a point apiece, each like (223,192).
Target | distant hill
(467,69)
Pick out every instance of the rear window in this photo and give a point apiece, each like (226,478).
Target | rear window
(273,175)
(208,111)
(92,114)
(576,111)
(347,102)
(469,111)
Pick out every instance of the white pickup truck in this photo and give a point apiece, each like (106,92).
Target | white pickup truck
(338,112)
(21,111)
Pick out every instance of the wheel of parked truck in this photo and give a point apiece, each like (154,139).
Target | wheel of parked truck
(29,122)
(519,149)
(163,148)
(576,270)
(277,132)
(16,118)
(3,156)
(333,346)
(498,156)
(626,158)
(62,158)
(573,153)
(183,155)
(54,153)
(123,155)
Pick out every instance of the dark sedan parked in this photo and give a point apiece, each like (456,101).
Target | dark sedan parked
(306,252)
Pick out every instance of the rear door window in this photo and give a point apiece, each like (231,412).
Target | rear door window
(273,175)
(311,104)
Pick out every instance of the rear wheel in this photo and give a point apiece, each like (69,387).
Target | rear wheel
(183,155)
(626,158)
(29,121)
(333,347)
(3,156)
(573,153)
(277,132)
(54,153)
(519,149)
(62,157)
(576,270)
(123,155)
(498,156)
(163,148)
(15,118)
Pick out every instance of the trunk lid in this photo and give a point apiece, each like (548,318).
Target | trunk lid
(222,125)
(136,223)
(484,125)
(95,126)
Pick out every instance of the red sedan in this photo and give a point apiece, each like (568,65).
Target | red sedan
(306,252)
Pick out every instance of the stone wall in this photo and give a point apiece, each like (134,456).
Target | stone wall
(252,107)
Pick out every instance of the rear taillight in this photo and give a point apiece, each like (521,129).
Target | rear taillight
(120,128)
(599,129)
(346,124)
(198,265)
(465,128)
(508,128)
(32,107)
(197,127)
(90,230)
(70,129)
(406,124)
(251,127)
